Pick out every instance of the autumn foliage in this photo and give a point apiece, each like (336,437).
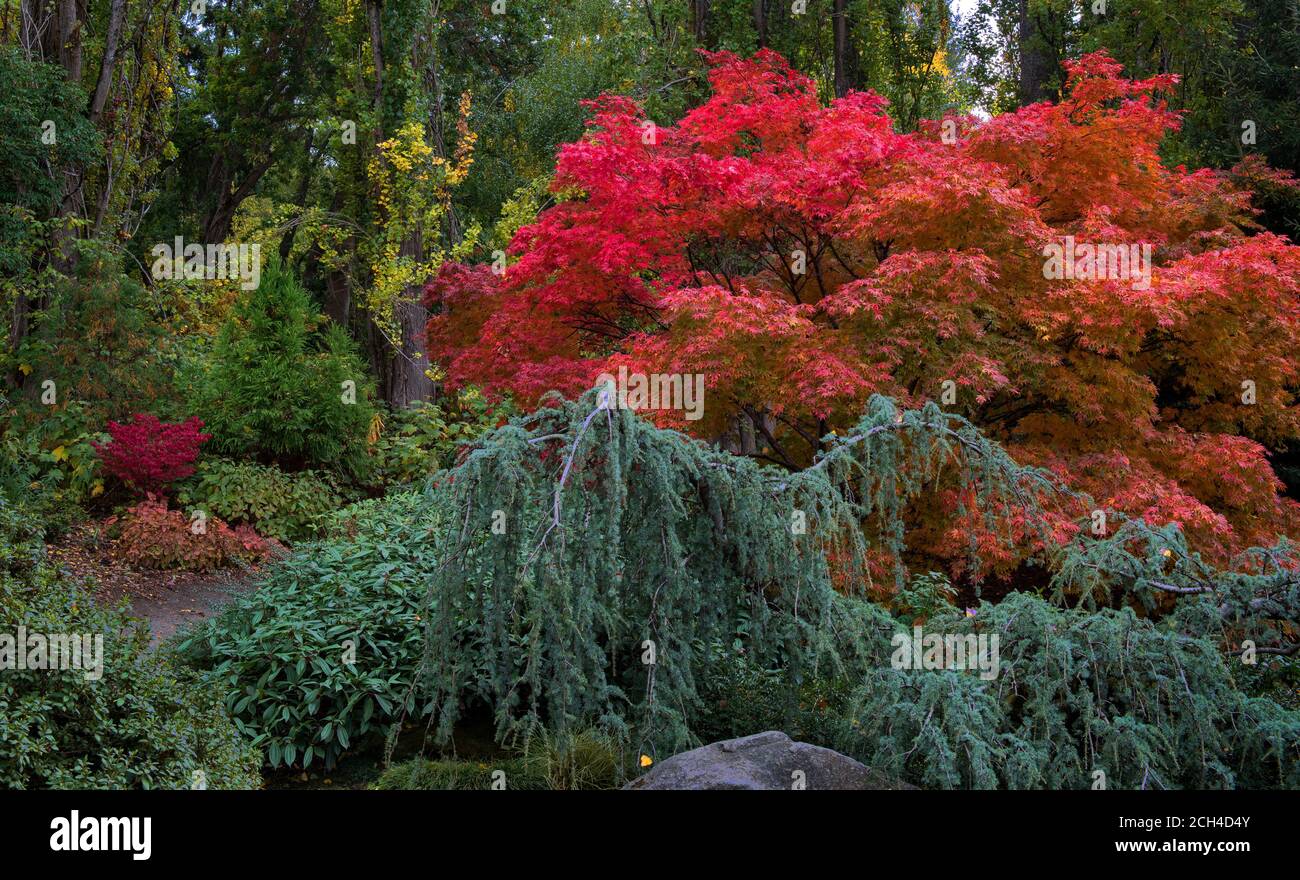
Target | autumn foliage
(148,454)
(152,535)
(803,257)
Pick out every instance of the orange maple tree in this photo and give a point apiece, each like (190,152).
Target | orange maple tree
(802,257)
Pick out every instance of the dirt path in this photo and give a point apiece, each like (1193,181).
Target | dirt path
(169,606)
(165,599)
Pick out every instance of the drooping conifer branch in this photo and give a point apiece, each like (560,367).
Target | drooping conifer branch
(590,559)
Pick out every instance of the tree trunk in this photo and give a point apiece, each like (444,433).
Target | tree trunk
(70,39)
(338,297)
(112,36)
(216,226)
(407,379)
(843,49)
(1035,66)
(700,21)
(300,198)
(338,292)
(760,22)
(376,47)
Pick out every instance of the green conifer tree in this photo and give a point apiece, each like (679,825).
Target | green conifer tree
(280,389)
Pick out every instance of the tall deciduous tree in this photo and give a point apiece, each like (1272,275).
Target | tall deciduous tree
(802,256)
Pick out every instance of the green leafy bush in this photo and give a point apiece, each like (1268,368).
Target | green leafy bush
(51,453)
(152,535)
(21,534)
(284,506)
(417,442)
(106,342)
(276,386)
(146,723)
(281,654)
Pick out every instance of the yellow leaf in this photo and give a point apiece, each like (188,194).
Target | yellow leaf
(60,454)
(646,760)
(98,489)
(25,369)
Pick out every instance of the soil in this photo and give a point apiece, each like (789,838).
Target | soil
(166,600)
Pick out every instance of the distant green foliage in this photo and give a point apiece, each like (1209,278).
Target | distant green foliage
(147,723)
(925,595)
(284,506)
(738,697)
(279,654)
(274,388)
(42,129)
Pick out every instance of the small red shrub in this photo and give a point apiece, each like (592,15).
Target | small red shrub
(147,454)
(156,536)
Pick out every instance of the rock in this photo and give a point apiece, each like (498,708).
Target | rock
(767,761)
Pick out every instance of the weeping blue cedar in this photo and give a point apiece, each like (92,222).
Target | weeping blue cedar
(614,538)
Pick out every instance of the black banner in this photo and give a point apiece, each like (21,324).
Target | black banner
(138,830)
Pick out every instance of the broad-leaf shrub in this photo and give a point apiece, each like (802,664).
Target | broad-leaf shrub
(51,457)
(279,388)
(149,455)
(146,723)
(280,505)
(21,533)
(324,654)
(418,441)
(153,535)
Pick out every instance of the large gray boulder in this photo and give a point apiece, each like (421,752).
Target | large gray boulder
(768,761)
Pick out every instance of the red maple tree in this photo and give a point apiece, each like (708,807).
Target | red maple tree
(804,256)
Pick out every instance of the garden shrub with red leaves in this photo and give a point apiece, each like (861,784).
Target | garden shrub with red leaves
(158,537)
(148,454)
